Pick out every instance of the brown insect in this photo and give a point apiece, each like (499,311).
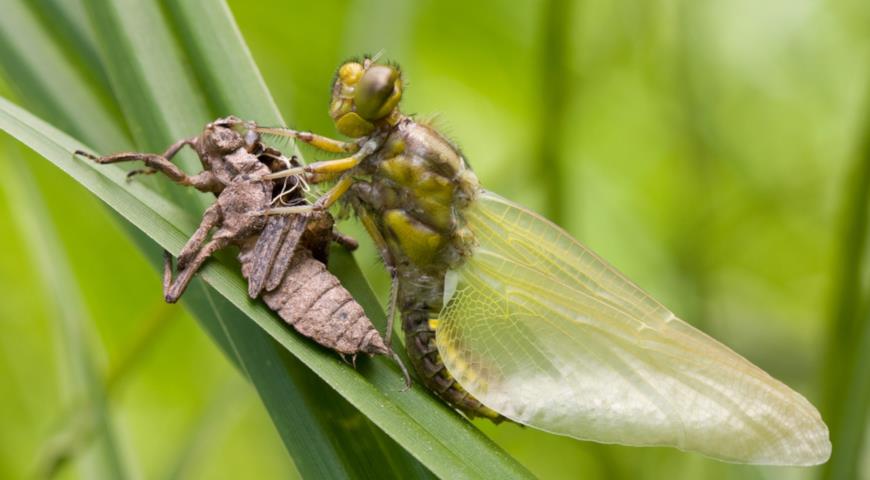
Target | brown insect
(284,256)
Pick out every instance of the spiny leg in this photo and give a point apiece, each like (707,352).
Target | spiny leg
(332,195)
(384,251)
(317,141)
(326,167)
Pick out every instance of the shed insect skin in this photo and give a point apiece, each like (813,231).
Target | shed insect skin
(283,256)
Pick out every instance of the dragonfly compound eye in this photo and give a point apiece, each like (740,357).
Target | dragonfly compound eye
(378,92)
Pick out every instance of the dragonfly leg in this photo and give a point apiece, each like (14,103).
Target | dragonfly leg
(324,168)
(317,141)
(327,167)
(384,251)
(332,195)
(391,307)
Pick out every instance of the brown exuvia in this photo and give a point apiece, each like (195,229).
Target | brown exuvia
(283,256)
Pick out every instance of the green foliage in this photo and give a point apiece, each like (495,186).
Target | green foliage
(846,382)
(711,150)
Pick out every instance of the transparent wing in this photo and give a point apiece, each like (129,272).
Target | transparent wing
(542,330)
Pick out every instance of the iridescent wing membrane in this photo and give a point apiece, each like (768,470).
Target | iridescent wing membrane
(545,332)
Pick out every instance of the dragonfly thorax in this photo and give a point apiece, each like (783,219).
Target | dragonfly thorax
(418,185)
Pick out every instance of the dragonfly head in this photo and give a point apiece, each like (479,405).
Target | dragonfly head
(364,95)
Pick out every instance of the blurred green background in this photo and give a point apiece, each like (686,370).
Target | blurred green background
(718,153)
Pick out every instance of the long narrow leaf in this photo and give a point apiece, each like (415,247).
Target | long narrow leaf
(847,390)
(37,69)
(221,61)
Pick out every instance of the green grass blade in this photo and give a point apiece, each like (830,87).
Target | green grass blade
(50,83)
(221,61)
(139,35)
(436,436)
(847,359)
(66,20)
(80,377)
(158,96)
(555,27)
(439,438)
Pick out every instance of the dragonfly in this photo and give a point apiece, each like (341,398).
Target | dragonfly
(507,316)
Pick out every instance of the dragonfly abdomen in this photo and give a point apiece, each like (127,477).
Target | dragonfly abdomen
(420,343)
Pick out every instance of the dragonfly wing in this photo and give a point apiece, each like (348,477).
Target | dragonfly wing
(545,332)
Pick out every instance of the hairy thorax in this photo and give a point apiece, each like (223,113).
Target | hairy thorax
(417,188)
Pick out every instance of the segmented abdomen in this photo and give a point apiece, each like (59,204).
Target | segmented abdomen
(314,302)
(420,345)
